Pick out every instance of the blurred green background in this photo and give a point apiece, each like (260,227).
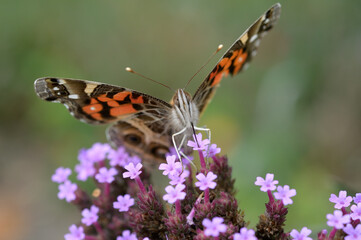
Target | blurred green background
(296,112)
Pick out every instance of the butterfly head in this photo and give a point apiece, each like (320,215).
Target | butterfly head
(184,111)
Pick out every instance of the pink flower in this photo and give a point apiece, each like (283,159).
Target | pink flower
(123,203)
(67,191)
(352,233)
(171,167)
(90,216)
(205,182)
(214,227)
(245,234)
(105,175)
(127,235)
(337,219)
(133,171)
(212,151)
(174,194)
(285,194)
(356,212)
(342,200)
(303,235)
(178,178)
(76,233)
(61,175)
(266,184)
(198,143)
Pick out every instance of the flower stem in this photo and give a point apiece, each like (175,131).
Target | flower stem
(106,189)
(201,160)
(178,207)
(206,195)
(141,185)
(270,196)
(98,228)
(332,233)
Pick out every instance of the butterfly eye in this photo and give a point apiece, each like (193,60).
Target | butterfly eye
(159,151)
(133,139)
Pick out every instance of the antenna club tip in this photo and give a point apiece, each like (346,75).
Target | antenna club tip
(128,69)
(220,46)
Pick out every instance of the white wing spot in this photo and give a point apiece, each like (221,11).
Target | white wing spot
(73,96)
(92,108)
(55,88)
(254,37)
(266,21)
(240,59)
(59,93)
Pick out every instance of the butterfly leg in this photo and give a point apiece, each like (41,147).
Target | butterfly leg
(174,143)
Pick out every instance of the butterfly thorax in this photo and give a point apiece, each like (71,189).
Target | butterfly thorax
(184,111)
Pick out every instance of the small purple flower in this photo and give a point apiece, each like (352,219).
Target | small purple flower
(90,216)
(214,227)
(268,183)
(127,235)
(84,170)
(174,194)
(198,143)
(178,178)
(105,175)
(245,234)
(123,203)
(303,235)
(342,200)
(171,167)
(212,151)
(67,191)
(98,152)
(76,233)
(357,198)
(133,159)
(352,233)
(285,194)
(133,171)
(205,182)
(61,175)
(337,219)
(118,157)
(356,212)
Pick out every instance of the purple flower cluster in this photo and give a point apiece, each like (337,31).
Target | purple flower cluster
(198,203)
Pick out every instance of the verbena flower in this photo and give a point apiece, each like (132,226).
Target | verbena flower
(285,194)
(76,233)
(337,219)
(214,227)
(267,184)
(198,143)
(61,175)
(357,198)
(127,235)
(352,233)
(342,200)
(133,171)
(205,182)
(202,208)
(245,234)
(67,191)
(106,175)
(302,235)
(123,203)
(90,216)
(174,193)
(171,167)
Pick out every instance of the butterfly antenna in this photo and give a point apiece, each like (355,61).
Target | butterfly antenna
(220,46)
(128,69)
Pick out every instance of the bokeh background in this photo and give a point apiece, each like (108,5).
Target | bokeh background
(296,112)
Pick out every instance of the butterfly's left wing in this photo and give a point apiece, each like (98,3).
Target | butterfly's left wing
(237,57)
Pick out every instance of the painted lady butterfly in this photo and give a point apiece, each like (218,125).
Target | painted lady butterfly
(145,125)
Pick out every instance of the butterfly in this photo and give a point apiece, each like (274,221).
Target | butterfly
(143,124)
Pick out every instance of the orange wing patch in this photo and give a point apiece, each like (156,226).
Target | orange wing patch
(122,110)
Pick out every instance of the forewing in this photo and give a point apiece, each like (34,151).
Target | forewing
(237,56)
(98,103)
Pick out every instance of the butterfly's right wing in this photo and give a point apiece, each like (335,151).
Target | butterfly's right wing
(237,56)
